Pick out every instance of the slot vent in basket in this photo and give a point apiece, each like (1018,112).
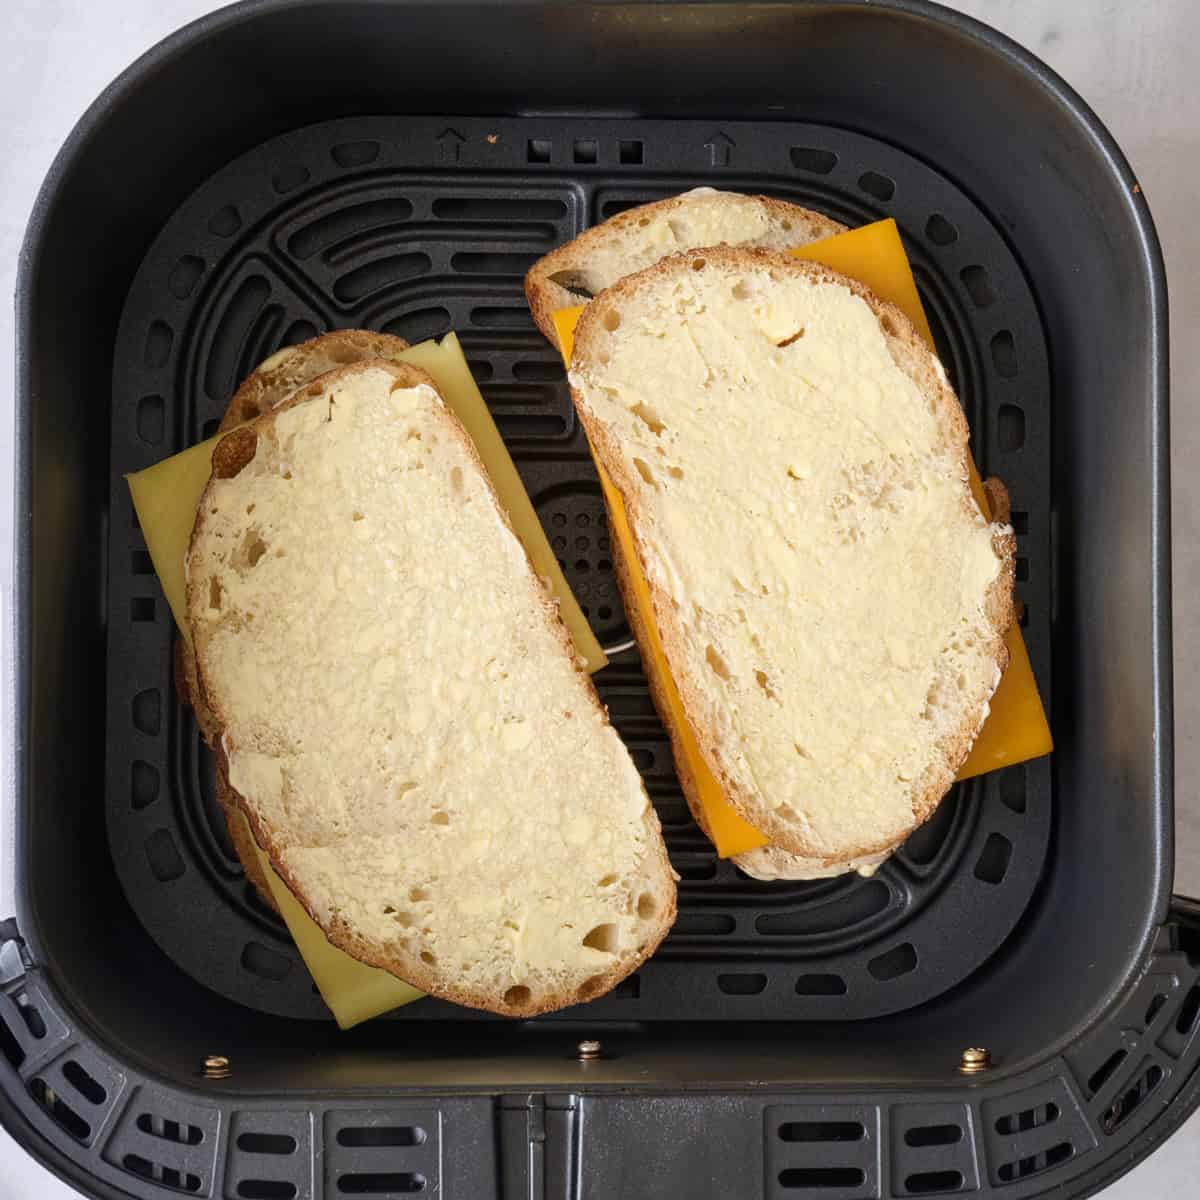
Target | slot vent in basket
(162,1138)
(822,1151)
(933,1149)
(1034,1131)
(270,1155)
(393,1152)
(419,227)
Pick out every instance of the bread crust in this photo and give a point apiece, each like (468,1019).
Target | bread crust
(229,456)
(545,296)
(912,356)
(269,383)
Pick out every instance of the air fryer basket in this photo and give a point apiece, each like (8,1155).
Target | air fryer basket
(283,168)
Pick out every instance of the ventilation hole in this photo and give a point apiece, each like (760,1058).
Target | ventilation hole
(604,564)
(1010,427)
(179,1132)
(518,996)
(604,612)
(1189,1011)
(1035,1164)
(180,1181)
(630,153)
(140,563)
(184,276)
(537,150)
(159,338)
(88,1087)
(225,222)
(813,160)
(355,154)
(63,1115)
(420,325)
(787,341)
(585,150)
(1155,1007)
(742,984)
(1027,1119)
(879,186)
(896,962)
(151,419)
(163,857)
(1125,1105)
(10,1047)
(821,1131)
(582,565)
(381,273)
(265,963)
(844,911)
(993,862)
(603,938)
(491,263)
(501,317)
(32,1018)
(979,286)
(924,1182)
(266,1189)
(464,208)
(362,1184)
(1012,789)
(1022,569)
(820,985)
(647,906)
(1004,354)
(267,1143)
(384,1135)
(719,667)
(821,1177)
(141,608)
(933,1135)
(701,924)
(1106,1071)
(939,231)
(290,178)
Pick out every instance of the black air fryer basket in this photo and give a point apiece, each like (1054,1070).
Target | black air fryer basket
(282,168)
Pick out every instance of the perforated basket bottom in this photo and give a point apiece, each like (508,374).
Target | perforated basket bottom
(420,226)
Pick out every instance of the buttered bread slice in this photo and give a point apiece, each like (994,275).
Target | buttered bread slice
(638,238)
(831,601)
(399,710)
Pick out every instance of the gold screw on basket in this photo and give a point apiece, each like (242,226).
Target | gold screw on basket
(589,1050)
(216,1066)
(975,1059)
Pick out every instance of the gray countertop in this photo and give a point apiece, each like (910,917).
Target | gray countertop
(1136,64)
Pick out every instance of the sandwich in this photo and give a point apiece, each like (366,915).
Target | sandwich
(397,709)
(830,601)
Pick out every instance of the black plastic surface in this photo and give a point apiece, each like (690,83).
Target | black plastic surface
(931,85)
(341,225)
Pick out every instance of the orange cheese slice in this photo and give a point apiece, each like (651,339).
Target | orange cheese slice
(1016,729)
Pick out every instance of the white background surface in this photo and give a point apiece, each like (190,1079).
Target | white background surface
(1136,63)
